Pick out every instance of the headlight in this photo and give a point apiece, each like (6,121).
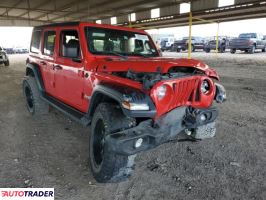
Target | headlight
(161,92)
(129,104)
(135,106)
(205,87)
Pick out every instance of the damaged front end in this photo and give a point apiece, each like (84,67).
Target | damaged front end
(151,133)
(165,104)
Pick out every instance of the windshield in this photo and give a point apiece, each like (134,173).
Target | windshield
(247,35)
(102,41)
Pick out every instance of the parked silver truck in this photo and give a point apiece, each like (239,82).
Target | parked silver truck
(248,42)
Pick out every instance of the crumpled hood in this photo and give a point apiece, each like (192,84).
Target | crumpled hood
(162,64)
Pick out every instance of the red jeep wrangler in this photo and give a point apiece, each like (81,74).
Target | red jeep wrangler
(114,79)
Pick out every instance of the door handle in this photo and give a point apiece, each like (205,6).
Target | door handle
(43,63)
(57,67)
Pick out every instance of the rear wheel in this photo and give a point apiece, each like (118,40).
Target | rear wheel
(106,165)
(264,49)
(35,105)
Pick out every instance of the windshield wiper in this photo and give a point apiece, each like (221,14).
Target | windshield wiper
(117,54)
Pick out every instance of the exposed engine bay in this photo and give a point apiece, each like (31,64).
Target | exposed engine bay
(148,79)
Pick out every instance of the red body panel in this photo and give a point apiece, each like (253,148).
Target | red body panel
(74,82)
(182,92)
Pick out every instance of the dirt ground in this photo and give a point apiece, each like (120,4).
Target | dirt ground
(52,151)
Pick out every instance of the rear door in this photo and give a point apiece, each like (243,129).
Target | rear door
(47,60)
(69,68)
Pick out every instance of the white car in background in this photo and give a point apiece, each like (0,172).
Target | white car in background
(3,57)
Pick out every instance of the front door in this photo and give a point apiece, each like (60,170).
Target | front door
(69,69)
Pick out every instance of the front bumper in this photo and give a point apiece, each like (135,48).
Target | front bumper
(241,47)
(181,46)
(153,133)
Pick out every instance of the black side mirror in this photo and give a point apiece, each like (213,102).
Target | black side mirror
(77,60)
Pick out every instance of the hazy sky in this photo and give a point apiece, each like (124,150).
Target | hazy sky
(20,36)
(15,36)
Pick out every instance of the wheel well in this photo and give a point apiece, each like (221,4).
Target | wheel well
(100,98)
(29,72)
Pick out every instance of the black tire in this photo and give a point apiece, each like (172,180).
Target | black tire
(233,51)
(264,49)
(178,50)
(107,166)
(6,63)
(207,50)
(34,103)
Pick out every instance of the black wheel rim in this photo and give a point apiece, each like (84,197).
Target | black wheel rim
(98,143)
(29,98)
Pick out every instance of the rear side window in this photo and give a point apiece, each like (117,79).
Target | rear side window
(35,42)
(49,43)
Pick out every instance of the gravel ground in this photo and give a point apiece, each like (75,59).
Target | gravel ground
(52,151)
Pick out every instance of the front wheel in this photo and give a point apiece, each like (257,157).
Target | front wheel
(264,49)
(252,50)
(107,166)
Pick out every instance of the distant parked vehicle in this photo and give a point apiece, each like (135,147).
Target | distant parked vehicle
(24,50)
(9,50)
(3,57)
(223,44)
(182,45)
(167,43)
(248,42)
(21,50)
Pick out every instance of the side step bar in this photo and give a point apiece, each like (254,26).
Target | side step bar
(67,110)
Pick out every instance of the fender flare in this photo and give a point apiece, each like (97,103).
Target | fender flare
(117,95)
(34,68)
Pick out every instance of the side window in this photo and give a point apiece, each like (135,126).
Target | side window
(69,44)
(35,42)
(49,43)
